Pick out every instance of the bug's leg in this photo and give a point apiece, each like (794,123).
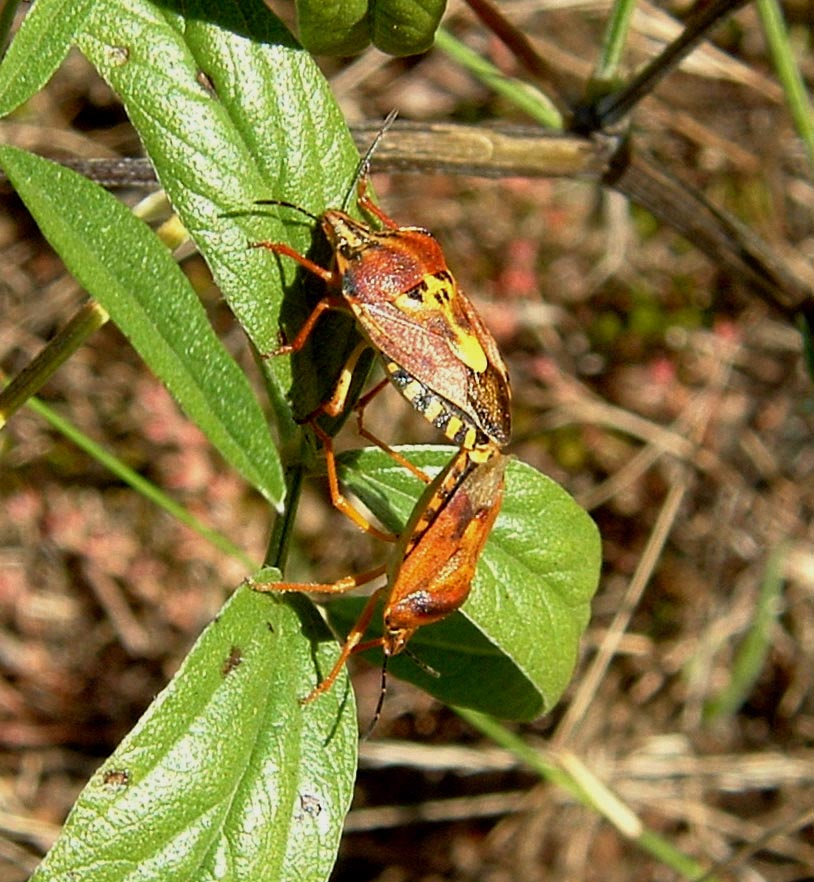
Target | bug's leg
(368,205)
(352,645)
(365,433)
(328,276)
(331,301)
(348,583)
(336,403)
(337,499)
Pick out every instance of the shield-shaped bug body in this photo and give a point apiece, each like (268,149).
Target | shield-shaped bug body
(434,345)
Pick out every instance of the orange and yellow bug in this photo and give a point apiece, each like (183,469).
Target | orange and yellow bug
(435,347)
(430,572)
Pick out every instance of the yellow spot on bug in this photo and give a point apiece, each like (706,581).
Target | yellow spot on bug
(438,295)
(412,390)
(433,410)
(480,454)
(467,347)
(453,427)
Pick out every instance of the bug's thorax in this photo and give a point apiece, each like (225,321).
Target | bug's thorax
(380,264)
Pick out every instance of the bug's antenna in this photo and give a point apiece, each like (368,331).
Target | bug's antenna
(285,204)
(364,163)
(419,662)
(380,703)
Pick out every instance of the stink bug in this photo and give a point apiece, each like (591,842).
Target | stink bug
(434,345)
(430,572)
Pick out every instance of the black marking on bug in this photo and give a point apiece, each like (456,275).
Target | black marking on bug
(417,292)
(445,416)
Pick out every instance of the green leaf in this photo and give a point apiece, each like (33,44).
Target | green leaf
(511,650)
(38,49)
(345,27)
(226,776)
(126,268)
(405,27)
(230,110)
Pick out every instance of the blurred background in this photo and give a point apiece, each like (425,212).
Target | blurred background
(666,396)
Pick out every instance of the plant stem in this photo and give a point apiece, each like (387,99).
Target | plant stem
(85,322)
(614,42)
(567,771)
(524,96)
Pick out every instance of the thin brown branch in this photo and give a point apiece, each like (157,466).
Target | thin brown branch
(516,151)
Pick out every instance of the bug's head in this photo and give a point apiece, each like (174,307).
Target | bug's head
(347,236)
(395,639)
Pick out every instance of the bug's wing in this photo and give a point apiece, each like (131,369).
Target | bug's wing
(429,352)
(490,390)
(435,577)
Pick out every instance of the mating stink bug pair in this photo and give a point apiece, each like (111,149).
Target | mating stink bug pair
(439,354)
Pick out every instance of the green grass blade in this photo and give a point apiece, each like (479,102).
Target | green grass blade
(526,97)
(613,43)
(788,71)
(147,489)
(756,645)
(590,792)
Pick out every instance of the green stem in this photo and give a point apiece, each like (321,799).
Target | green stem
(750,657)
(563,770)
(524,96)
(277,551)
(614,42)
(86,321)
